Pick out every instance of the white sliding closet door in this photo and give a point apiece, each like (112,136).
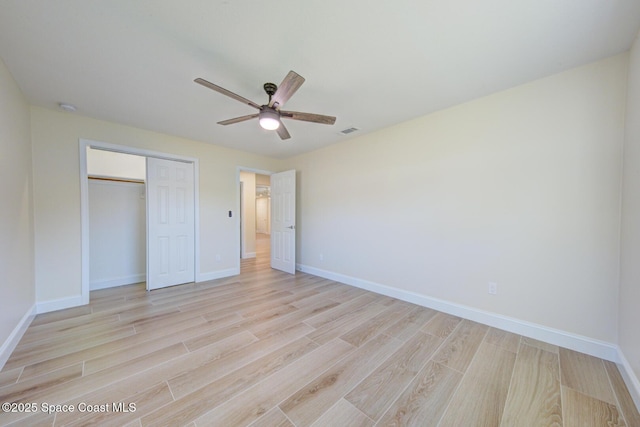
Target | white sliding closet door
(170,223)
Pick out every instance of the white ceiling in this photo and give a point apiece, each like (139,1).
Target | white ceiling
(370,63)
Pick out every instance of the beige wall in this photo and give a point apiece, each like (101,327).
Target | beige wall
(630,261)
(119,165)
(521,188)
(57,194)
(263,179)
(17,292)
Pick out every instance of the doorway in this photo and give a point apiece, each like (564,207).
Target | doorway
(255,227)
(84,145)
(117,219)
(282,218)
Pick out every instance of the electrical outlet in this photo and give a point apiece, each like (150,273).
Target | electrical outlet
(493,288)
(321,257)
(218,258)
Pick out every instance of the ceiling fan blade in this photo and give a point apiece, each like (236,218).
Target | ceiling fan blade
(287,88)
(238,119)
(282,131)
(308,117)
(224,91)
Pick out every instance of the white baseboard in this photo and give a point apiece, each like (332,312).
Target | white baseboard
(630,378)
(593,347)
(213,275)
(118,281)
(58,304)
(248,255)
(14,337)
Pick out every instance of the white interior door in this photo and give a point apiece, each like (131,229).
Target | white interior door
(283,221)
(170,223)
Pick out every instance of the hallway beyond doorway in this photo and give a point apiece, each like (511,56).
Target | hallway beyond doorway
(263,254)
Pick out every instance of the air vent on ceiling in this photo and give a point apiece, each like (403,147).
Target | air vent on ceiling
(347,131)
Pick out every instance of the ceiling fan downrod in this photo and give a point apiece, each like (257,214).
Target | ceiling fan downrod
(271,89)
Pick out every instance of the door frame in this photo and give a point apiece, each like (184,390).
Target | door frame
(84,202)
(239,231)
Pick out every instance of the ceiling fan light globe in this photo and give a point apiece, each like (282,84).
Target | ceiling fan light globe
(269,123)
(269,119)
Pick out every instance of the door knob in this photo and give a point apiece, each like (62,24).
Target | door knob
(292,227)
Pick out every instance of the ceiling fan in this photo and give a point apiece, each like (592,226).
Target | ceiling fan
(270,114)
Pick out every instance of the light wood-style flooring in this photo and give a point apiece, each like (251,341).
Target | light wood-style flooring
(270,349)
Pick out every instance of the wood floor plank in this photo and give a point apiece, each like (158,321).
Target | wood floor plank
(144,312)
(625,402)
(188,296)
(408,325)
(159,372)
(386,300)
(55,316)
(534,398)
(144,401)
(217,392)
(109,359)
(287,300)
(161,320)
(481,397)
(40,419)
(25,357)
(128,306)
(551,348)
(585,374)
(83,388)
(10,376)
(193,379)
(308,403)
(442,325)
(312,300)
(273,418)
(212,336)
(503,339)
(344,292)
(121,347)
(265,328)
(125,291)
(380,388)
(364,332)
(235,304)
(344,413)
(343,323)
(262,397)
(22,391)
(207,408)
(340,311)
(460,347)
(424,401)
(69,329)
(268,314)
(581,410)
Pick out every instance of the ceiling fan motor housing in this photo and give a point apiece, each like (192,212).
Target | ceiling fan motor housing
(270,88)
